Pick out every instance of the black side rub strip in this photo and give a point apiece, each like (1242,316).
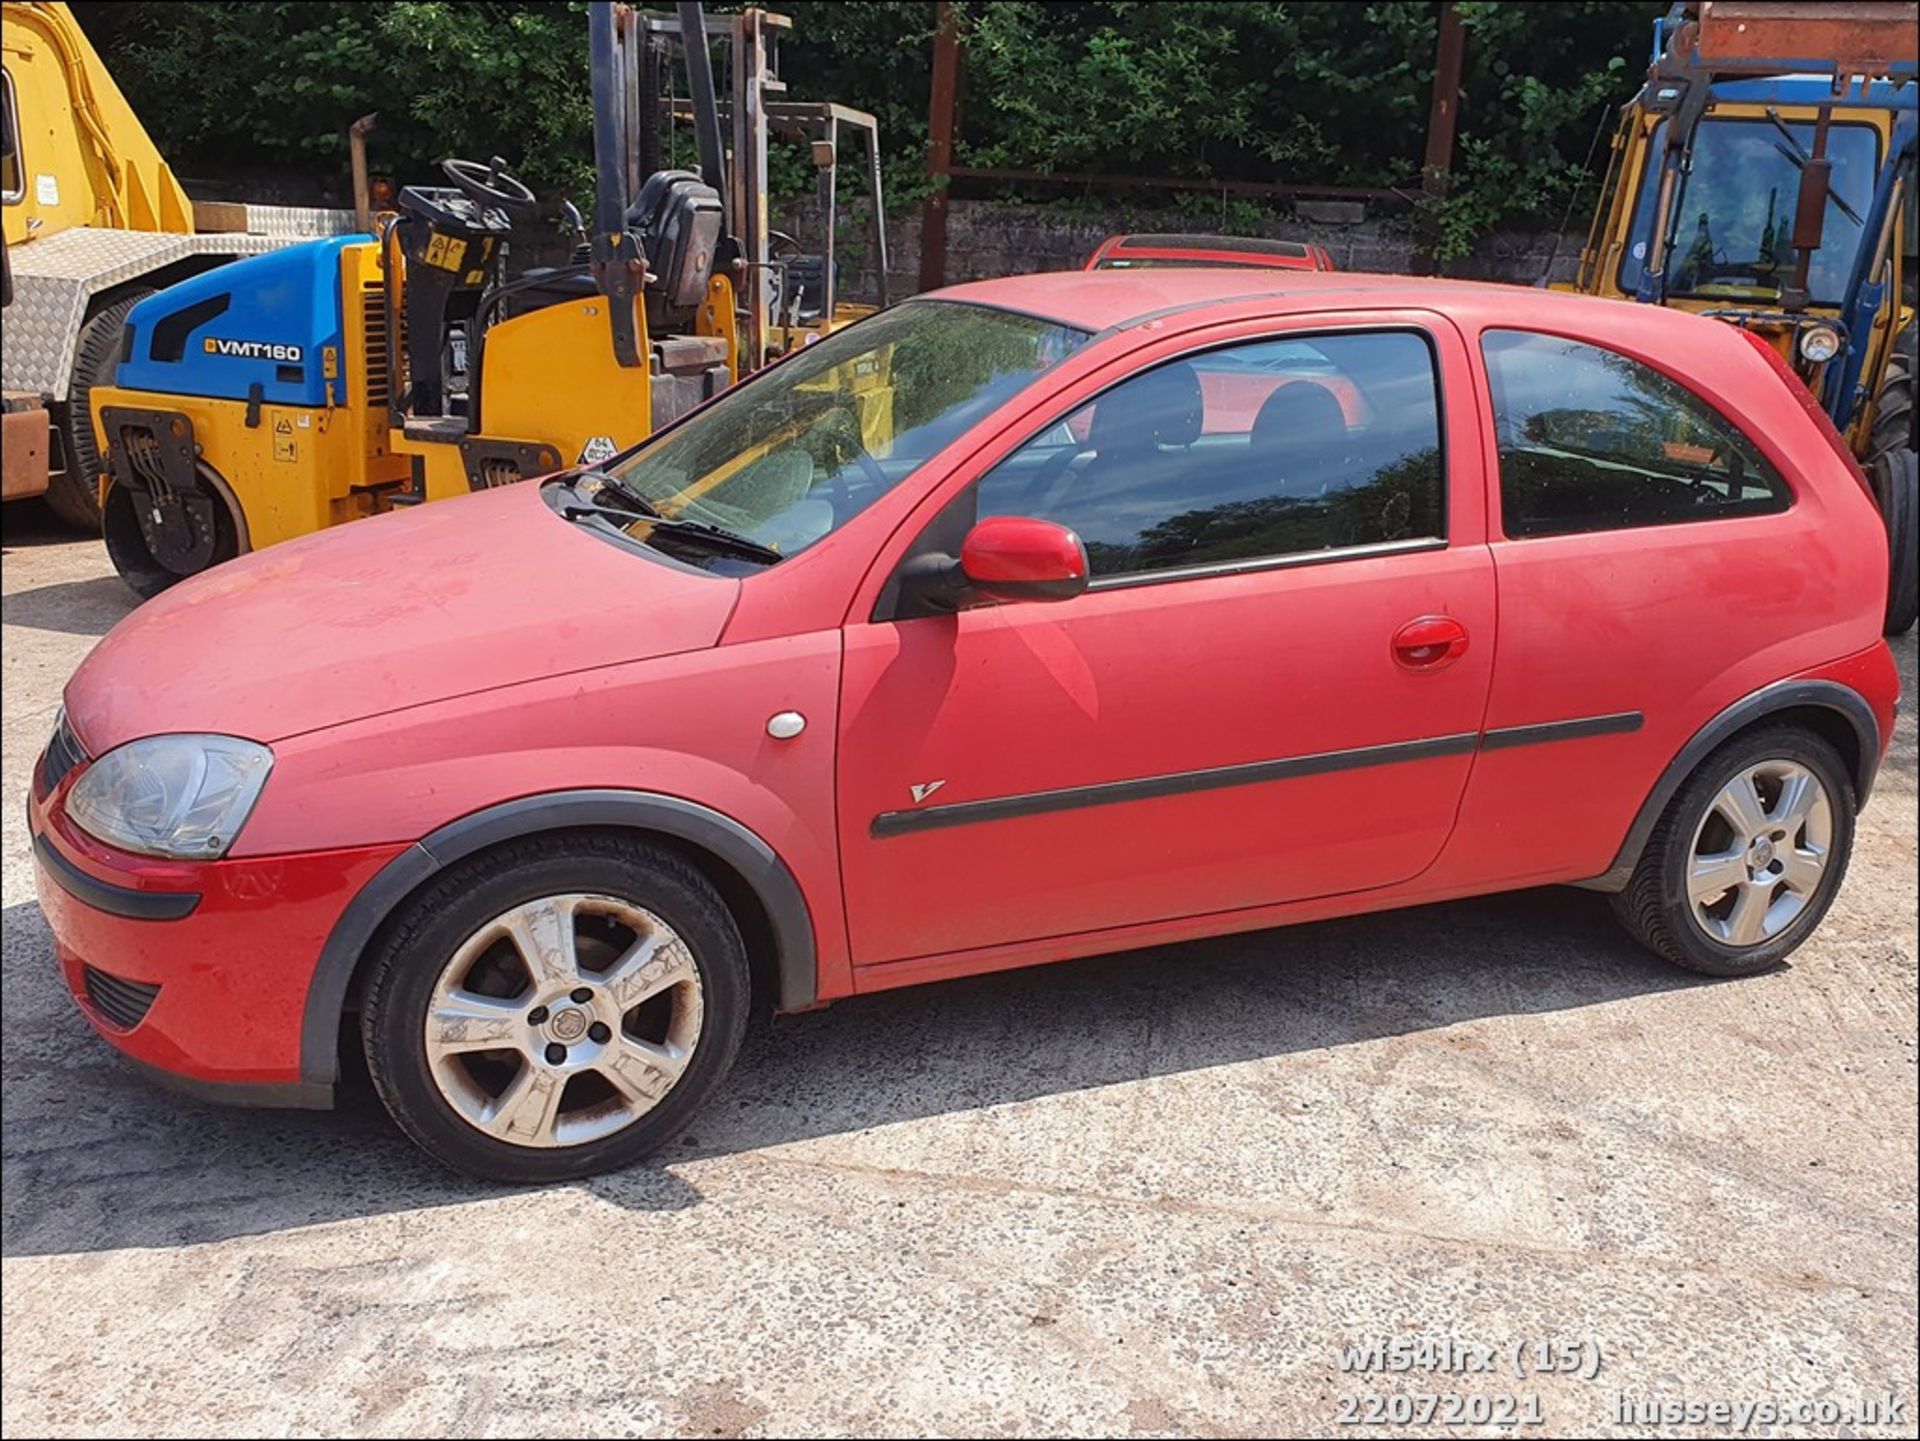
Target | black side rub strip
(114,900)
(1180,783)
(1567,730)
(1000,808)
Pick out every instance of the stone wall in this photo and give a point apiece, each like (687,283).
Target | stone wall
(988,238)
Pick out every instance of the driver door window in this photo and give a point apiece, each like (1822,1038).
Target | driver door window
(1265,450)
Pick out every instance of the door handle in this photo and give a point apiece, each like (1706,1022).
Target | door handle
(1430,643)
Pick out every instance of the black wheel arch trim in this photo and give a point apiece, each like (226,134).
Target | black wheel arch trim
(1768,700)
(720,835)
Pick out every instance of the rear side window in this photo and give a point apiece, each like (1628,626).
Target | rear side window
(1593,440)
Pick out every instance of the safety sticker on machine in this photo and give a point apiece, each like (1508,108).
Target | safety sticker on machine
(283,439)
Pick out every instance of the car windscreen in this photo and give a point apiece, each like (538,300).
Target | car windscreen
(799,450)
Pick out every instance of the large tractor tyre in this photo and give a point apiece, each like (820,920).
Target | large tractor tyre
(151,552)
(74,493)
(1891,465)
(1896,479)
(1893,406)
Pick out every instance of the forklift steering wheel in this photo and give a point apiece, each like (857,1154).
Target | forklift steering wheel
(490,185)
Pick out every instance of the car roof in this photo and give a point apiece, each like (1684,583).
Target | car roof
(1211,244)
(1231,249)
(1103,300)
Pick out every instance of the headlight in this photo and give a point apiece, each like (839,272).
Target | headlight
(184,796)
(1819,344)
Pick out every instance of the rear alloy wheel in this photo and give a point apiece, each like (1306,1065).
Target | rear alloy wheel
(1760,853)
(1748,856)
(555,1008)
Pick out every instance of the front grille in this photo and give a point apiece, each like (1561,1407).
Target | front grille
(373,322)
(123,1004)
(62,754)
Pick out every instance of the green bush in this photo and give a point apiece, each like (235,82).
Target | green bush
(1307,93)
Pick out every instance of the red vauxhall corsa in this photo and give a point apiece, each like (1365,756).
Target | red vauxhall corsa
(827,690)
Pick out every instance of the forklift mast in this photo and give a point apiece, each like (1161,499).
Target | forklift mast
(787,295)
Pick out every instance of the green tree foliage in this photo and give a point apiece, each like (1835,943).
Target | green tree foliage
(1308,93)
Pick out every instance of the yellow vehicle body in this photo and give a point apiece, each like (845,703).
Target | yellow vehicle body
(549,388)
(83,157)
(197,472)
(1606,251)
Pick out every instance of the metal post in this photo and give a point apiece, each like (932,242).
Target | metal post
(706,114)
(632,37)
(829,197)
(879,213)
(619,270)
(940,126)
(652,63)
(750,173)
(1436,171)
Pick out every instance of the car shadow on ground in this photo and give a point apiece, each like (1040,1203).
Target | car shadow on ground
(72,607)
(97,1158)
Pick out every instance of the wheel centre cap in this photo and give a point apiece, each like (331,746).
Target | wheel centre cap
(569,1023)
(1760,854)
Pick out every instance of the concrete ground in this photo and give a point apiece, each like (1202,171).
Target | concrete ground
(1144,1195)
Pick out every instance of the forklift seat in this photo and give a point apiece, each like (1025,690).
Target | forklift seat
(678,218)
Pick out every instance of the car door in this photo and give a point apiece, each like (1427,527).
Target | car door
(1654,565)
(1271,690)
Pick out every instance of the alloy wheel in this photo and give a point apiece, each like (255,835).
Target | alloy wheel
(564,1020)
(1759,853)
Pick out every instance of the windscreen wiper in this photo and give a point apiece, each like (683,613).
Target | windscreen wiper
(632,499)
(717,537)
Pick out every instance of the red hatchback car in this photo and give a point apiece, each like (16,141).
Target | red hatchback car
(968,639)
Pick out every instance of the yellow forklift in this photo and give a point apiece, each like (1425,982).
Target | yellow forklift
(346,377)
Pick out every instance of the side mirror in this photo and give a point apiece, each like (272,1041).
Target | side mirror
(1010,557)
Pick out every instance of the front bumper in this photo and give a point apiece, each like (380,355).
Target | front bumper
(199,972)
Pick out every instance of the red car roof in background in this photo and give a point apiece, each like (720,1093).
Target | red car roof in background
(1253,252)
(1099,299)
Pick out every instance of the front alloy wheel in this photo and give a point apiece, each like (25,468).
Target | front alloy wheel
(556,1006)
(564,1020)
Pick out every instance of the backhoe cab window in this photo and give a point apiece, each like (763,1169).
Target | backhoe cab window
(804,447)
(1733,232)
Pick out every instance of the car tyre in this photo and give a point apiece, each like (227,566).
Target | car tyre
(1772,811)
(442,982)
